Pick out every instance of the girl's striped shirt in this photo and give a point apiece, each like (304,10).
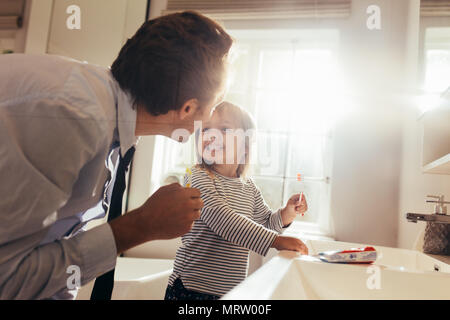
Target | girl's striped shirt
(213,257)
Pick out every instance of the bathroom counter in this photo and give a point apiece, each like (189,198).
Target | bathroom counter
(398,274)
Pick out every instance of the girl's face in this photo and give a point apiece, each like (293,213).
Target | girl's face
(220,140)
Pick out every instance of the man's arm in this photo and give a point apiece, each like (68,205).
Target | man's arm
(50,268)
(38,178)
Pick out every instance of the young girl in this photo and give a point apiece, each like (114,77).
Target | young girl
(214,255)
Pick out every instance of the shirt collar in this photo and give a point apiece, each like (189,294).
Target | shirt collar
(126,120)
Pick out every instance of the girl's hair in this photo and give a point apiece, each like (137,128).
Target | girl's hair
(243,121)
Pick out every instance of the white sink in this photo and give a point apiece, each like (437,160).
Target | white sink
(141,279)
(397,274)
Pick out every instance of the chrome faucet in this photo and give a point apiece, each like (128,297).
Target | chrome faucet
(439,215)
(439,208)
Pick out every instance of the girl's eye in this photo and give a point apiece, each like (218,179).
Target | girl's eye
(222,129)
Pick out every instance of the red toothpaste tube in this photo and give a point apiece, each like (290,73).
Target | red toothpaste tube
(354,255)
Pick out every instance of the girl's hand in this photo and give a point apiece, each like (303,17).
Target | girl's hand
(294,206)
(289,243)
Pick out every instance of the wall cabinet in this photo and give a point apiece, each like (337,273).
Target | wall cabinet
(105,25)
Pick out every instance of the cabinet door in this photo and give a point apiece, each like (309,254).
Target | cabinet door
(104,26)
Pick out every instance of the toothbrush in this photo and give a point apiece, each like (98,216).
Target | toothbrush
(301,197)
(299,179)
(189,178)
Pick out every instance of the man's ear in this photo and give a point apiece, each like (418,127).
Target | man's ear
(188,109)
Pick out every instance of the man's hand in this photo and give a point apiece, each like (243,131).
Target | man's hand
(295,205)
(289,243)
(169,213)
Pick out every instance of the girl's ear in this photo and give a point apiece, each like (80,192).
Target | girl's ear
(188,109)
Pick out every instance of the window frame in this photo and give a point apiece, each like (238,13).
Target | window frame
(424,24)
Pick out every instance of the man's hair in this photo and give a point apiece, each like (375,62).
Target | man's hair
(172,59)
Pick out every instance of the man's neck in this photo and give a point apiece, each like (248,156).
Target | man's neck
(147,124)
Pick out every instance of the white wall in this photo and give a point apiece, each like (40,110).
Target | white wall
(415,185)
(368,143)
(105,25)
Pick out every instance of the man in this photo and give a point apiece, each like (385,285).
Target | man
(61,120)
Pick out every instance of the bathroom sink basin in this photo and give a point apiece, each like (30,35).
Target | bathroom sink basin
(396,274)
(141,279)
(136,279)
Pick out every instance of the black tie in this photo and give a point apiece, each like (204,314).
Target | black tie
(104,284)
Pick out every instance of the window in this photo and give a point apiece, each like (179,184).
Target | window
(288,80)
(436,63)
